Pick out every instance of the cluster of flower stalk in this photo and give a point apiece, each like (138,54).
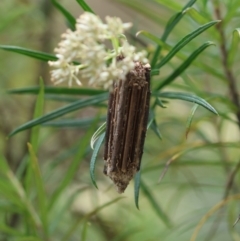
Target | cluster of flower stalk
(83,53)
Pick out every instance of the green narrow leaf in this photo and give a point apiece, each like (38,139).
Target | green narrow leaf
(205,3)
(196,16)
(70,19)
(143,9)
(175,20)
(97,134)
(171,4)
(85,6)
(94,158)
(28,52)
(187,97)
(168,29)
(79,123)
(84,231)
(37,113)
(185,41)
(41,194)
(154,38)
(60,112)
(155,129)
(21,198)
(73,168)
(63,209)
(234,46)
(153,125)
(190,118)
(137,182)
(58,90)
(155,205)
(184,65)
(154,72)
(159,102)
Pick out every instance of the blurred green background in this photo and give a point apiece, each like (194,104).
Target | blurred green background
(202,169)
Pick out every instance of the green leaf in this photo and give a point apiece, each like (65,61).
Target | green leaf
(184,65)
(171,4)
(232,11)
(155,205)
(28,52)
(137,180)
(94,158)
(160,103)
(20,198)
(190,118)
(84,230)
(28,177)
(97,134)
(234,46)
(58,90)
(187,97)
(173,21)
(61,111)
(63,209)
(69,123)
(37,113)
(70,19)
(155,129)
(185,41)
(74,166)
(196,16)
(143,10)
(85,6)
(153,38)
(153,124)
(41,195)
(154,72)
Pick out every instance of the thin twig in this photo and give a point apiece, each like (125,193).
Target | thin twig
(228,72)
(232,86)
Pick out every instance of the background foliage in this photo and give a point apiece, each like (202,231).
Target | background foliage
(189,179)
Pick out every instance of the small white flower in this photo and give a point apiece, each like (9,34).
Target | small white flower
(116,27)
(83,53)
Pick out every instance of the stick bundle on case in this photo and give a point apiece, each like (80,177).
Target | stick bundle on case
(128,110)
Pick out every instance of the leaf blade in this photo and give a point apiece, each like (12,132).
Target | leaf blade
(172,22)
(70,19)
(187,97)
(94,158)
(41,194)
(60,112)
(57,90)
(85,6)
(234,46)
(137,182)
(185,41)
(184,65)
(30,53)
(155,205)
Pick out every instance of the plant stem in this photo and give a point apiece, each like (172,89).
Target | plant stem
(228,71)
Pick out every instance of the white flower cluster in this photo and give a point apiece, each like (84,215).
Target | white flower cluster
(83,53)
